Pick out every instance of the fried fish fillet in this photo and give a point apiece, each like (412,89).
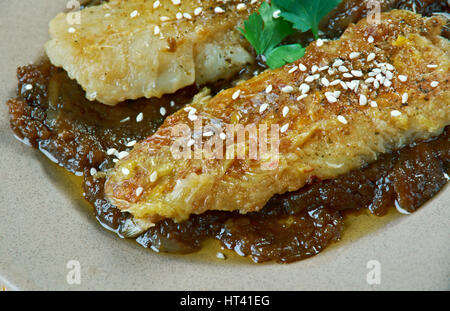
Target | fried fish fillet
(376,89)
(129,49)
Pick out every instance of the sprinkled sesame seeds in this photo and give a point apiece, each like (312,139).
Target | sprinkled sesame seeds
(293,69)
(370,39)
(285,111)
(208,134)
(371,57)
(153,176)
(302,97)
(125,120)
(302,67)
(162,111)
(164,18)
(319,42)
(156,30)
(432,66)
(405,98)
(131,143)
(179,15)
(373,104)
(402,78)
(125,171)
(176,2)
(71,30)
(198,11)
(284,128)
(269,89)
(343,69)
(287,89)
(434,84)
(362,100)
(223,136)
(304,88)
(338,63)
(241,6)
(190,142)
(139,191)
(187,16)
(357,73)
(156,4)
(140,117)
(28,87)
(93,171)
(330,97)
(133,14)
(354,55)
(395,113)
(325,81)
(314,68)
(236,94)
(219,10)
(342,119)
(263,107)
(122,155)
(111,151)
(220,256)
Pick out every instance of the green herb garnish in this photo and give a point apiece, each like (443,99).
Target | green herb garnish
(306,14)
(265,31)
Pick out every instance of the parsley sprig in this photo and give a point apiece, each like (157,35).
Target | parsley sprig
(265,30)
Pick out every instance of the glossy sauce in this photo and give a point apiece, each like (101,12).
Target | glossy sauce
(55,117)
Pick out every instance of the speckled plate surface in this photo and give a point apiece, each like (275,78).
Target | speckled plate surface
(45,223)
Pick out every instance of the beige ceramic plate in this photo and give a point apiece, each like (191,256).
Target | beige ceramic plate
(45,223)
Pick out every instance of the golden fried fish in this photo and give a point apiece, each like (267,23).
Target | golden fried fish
(376,89)
(129,49)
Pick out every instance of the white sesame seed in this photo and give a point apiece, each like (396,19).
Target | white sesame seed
(343,69)
(162,111)
(335,82)
(370,80)
(139,191)
(285,111)
(337,94)
(309,79)
(338,63)
(370,39)
(122,155)
(176,2)
(402,78)
(287,89)
(236,94)
(220,256)
(115,160)
(140,117)
(342,119)
(190,142)
(164,18)
(373,104)
(434,84)
(293,69)
(314,68)
(302,97)
(284,128)
(357,73)
(134,14)
(319,42)
(223,136)
(241,6)
(330,97)
(28,87)
(93,171)
(376,84)
(269,89)
(304,88)
(156,30)
(156,4)
(208,134)
(344,85)
(153,176)
(324,68)
(131,143)
(371,57)
(187,16)
(198,11)
(325,81)
(192,117)
(389,75)
(354,55)
(71,30)
(219,10)
(347,75)
(179,15)
(111,151)
(405,98)
(276,14)
(362,100)
(387,83)
(125,171)
(395,113)
(302,67)
(263,107)
(172,103)
(390,67)
(432,66)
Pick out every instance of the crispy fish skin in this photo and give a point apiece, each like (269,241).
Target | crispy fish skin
(318,142)
(127,50)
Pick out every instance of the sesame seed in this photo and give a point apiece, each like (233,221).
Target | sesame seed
(337,94)
(344,85)
(376,84)
(293,69)
(370,39)
(187,16)
(325,81)
(198,11)
(172,103)
(176,2)
(373,104)
(330,97)
(370,80)
(122,155)
(241,6)
(347,75)
(371,57)
(354,55)
(304,88)
(395,113)
(309,79)
(164,18)
(93,171)
(342,119)
(131,143)
(343,69)
(284,128)
(263,107)
(236,94)
(387,83)
(220,256)
(357,73)
(434,84)
(190,142)
(432,66)
(111,151)
(115,160)
(140,117)
(287,89)
(269,89)
(324,68)
(134,14)
(153,176)
(302,67)
(301,97)
(285,111)
(402,78)
(156,30)
(223,136)
(139,191)
(156,4)
(390,67)
(319,42)
(335,82)
(71,30)
(192,117)
(405,98)
(338,63)
(362,100)
(389,75)
(219,10)
(125,171)
(162,111)
(28,87)
(208,134)
(179,15)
